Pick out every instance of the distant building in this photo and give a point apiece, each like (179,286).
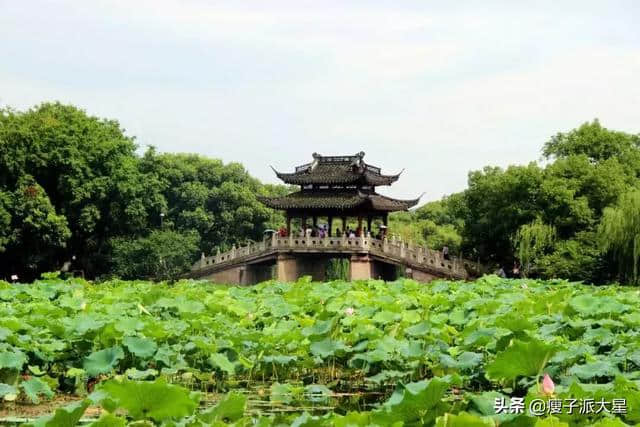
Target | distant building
(337,187)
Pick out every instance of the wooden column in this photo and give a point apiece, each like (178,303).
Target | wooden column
(303,226)
(359,226)
(288,225)
(330,224)
(344,224)
(315,222)
(369,221)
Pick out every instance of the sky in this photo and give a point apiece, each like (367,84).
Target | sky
(437,88)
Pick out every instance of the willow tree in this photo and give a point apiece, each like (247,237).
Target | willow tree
(619,233)
(533,240)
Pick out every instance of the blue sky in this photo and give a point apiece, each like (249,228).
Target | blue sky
(438,88)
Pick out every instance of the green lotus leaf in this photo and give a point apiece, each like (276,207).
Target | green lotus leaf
(317,393)
(352,419)
(129,325)
(6,389)
(65,416)
(327,347)
(590,305)
(220,361)
(190,306)
(319,328)
(385,317)
(4,333)
(34,388)
(141,347)
(523,358)
(595,369)
(103,361)
(418,330)
(156,400)
(468,360)
(279,359)
(12,360)
(281,393)
(135,374)
(386,376)
(413,403)
(109,420)
(228,410)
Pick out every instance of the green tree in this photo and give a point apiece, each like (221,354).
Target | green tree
(217,201)
(532,241)
(37,231)
(87,169)
(596,143)
(162,255)
(619,232)
(498,202)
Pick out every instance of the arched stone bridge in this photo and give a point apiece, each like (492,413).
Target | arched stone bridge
(288,258)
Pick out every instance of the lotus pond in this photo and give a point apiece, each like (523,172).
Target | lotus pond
(335,353)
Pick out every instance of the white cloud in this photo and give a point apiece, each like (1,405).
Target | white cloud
(438,89)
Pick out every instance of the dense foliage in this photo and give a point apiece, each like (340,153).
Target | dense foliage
(570,205)
(73,185)
(334,350)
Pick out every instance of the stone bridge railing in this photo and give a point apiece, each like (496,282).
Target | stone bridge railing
(396,251)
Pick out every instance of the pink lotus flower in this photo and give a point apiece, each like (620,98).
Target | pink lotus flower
(547,385)
(349,311)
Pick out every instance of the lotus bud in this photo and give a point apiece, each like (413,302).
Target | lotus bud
(547,385)
(349,311)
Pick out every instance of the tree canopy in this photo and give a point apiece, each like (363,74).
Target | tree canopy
(74,188)
(550,218)
(72,185)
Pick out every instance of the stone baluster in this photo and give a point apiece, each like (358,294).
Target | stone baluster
(232,255)
(385,244)
(217,255)
(402,249)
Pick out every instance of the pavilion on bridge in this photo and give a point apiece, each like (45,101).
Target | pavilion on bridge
(335,187)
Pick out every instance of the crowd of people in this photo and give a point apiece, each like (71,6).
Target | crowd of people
(322,231)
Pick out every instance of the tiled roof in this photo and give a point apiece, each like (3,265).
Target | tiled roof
(337,170)
(337,199)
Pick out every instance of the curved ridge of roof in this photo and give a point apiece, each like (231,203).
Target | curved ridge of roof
(337,199)
(331,170)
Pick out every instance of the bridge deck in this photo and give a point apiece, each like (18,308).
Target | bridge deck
(387,250)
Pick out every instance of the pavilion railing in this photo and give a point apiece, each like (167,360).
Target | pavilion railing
(394,249)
